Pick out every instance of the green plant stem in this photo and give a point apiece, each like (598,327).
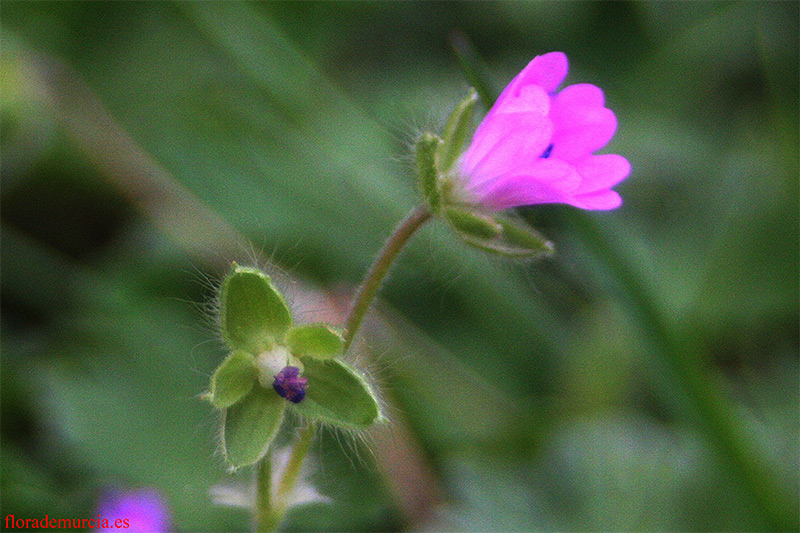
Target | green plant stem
(263,514)
(269,513)
(295,463)
(377,272)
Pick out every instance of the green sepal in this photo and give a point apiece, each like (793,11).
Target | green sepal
(338,394)
(499,235)
(251,424)
(524,237)
(254,313)
(472,223)
(233,379)
(427,176)
(456,132)
(315,340)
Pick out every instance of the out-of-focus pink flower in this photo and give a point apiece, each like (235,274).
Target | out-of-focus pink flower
(136,511)
(535,146)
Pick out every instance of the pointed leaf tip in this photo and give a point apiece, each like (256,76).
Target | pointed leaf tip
(523,236)
(496,234)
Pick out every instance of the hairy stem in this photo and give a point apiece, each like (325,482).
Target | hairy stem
(377,272)
(264,510)
(269,514)
(295,463)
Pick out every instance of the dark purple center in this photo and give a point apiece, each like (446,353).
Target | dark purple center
(290,385)
(546,152)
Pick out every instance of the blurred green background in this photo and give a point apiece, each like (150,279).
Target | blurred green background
(145,145)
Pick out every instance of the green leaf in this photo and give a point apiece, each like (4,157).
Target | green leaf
(316,340)
(250,426)
(427,176)
(254,313)
(499,235)
(456,132)
(233,379)
(338,394)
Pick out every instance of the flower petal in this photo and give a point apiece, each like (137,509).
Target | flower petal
(520,157)
(503,142)
(530,98)
(606,199)
(546,71)
(579,131)
(142,510)
(581,95)
(545,181)
(601,171)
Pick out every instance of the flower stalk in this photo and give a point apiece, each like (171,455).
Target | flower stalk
(264,514)
(377,272)
(271,507)
(269,513)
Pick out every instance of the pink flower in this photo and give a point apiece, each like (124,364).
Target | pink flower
(535,145)
(136,511)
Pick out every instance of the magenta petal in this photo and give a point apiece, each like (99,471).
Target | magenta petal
(600,171)
(504,141)
(597,200)
(581,131)
(536,146)
(580,95)
(546,71)
(515,194)
(530,98)
(545,181)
